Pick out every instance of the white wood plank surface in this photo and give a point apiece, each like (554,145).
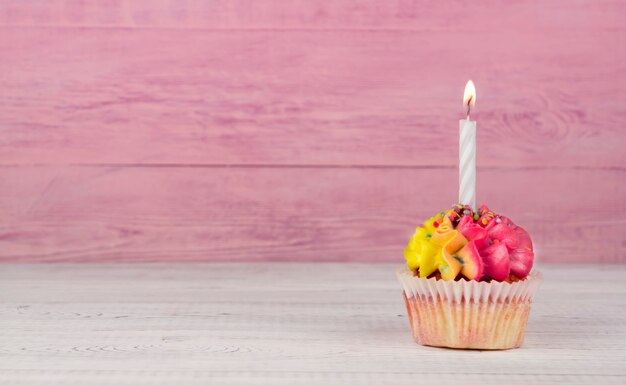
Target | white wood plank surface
(285,324)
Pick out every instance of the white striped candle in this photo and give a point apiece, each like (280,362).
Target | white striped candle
(467,151)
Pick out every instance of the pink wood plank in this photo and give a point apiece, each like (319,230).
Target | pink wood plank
(550,84)
(273,14)
(139,214)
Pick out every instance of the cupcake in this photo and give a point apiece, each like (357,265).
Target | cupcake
(468,281)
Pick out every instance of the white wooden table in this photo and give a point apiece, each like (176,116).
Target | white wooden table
(284,324)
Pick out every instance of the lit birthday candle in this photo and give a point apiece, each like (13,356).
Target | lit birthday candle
(467,151)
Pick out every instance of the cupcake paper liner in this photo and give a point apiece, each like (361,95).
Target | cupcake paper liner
(468,314)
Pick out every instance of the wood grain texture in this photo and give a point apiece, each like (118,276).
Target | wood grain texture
(281,85)
(297,14)
(284,324)
(305,214)
(299,130)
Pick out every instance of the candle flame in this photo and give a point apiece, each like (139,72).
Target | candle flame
(469,96)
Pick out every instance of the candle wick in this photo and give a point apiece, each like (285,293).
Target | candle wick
(469,107)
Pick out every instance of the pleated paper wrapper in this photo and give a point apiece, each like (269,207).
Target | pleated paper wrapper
(468,314)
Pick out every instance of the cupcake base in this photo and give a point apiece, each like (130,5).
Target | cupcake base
(467,326)
(468,314)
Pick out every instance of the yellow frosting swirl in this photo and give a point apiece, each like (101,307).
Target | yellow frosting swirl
(432,248)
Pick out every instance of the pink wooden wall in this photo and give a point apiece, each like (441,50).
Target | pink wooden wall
(173,130)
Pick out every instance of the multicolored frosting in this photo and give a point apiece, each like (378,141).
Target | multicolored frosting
(478,245)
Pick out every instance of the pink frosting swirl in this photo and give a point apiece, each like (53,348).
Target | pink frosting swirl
(504,248)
